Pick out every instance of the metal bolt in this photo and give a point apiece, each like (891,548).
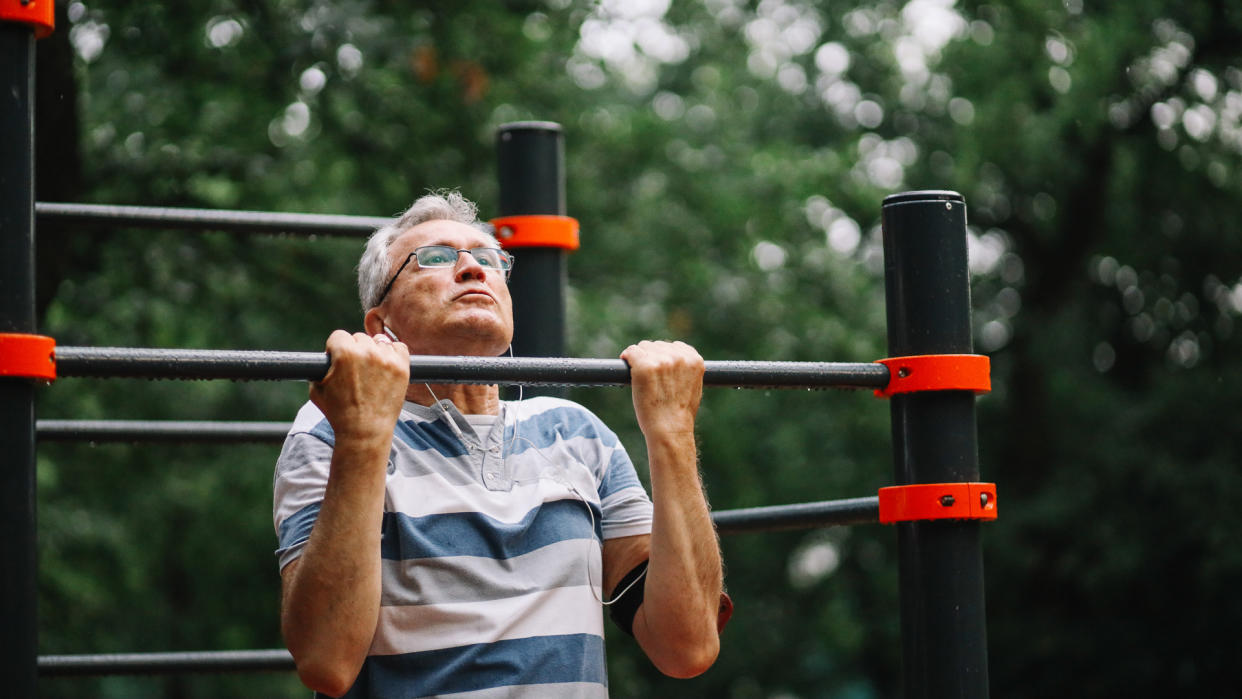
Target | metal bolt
(903,372)
(947,501)
(983,499)
(506,231)
(948,205)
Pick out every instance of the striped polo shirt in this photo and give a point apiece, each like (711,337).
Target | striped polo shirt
(490,547)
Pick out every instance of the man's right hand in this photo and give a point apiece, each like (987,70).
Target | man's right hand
(365,387)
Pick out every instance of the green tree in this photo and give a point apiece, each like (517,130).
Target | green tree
(727,160)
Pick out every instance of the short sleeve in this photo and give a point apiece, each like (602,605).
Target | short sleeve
(626,506)
(300,481)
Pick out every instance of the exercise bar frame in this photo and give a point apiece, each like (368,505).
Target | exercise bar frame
(934,431)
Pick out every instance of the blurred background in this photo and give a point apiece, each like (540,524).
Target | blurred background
(727,160)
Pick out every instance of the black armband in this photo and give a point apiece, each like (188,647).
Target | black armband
(625,606)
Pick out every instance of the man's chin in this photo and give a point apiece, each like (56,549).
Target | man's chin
(483,339)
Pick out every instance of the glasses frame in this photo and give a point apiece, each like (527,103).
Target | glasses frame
(506,260)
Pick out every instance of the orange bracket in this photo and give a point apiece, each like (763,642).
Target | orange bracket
(535,231)
(937,372)
(40,13)
(923,501)
(27,356)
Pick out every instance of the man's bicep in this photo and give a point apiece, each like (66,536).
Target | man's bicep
(621,555)
(287,573)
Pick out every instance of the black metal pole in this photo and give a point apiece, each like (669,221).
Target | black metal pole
(115,216)
(175,663)
(943,626)
(239,365)
(174,431)
(807,515)
(19,625)
(531,170)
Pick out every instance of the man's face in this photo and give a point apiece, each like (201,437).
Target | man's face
(464,309)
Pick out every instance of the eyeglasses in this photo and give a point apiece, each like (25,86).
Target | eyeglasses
(447,256)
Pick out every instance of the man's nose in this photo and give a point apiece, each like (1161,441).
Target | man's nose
(468,267)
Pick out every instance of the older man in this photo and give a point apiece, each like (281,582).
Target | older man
(437,540)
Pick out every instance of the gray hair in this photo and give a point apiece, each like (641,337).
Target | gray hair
(375,267)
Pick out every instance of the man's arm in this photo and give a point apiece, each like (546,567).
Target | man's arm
(331,594)
(676,623)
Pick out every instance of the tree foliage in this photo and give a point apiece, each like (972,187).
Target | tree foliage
(727,160)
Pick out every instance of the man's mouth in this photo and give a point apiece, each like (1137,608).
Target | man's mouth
(475,292)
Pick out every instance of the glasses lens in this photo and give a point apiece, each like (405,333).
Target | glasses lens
(436,256)
(492,258)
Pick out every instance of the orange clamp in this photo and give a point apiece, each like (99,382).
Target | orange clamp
(923,501)
(537,231)
(40,13)
(27,356)
(937,372)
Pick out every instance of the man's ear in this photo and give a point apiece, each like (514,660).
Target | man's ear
(373,321)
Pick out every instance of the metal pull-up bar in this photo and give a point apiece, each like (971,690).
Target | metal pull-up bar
(267,222)
(180,431)
(538,371)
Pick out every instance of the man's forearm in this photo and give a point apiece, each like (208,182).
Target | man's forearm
(683,586)
(332,592)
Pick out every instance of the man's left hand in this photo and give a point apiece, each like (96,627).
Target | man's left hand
(667,383)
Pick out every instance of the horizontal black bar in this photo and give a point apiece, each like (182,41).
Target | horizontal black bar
(802,516)
(160,431)
(539,371)
(209,219)
(276,660)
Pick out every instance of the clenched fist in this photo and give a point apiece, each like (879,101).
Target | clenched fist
(365,386)
(667,383)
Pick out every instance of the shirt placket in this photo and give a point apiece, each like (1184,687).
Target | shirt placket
(492,458)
